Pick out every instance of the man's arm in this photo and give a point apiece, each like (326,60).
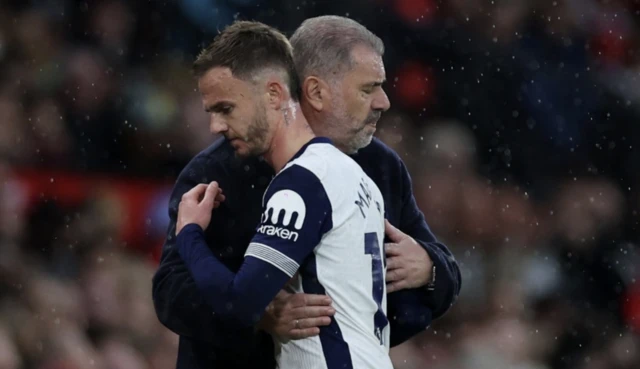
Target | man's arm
(272,258)
(178,302)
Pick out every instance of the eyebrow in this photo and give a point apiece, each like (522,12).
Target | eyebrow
(217,107)
(375,83)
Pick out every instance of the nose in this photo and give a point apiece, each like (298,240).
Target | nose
(217,125)
(381,101)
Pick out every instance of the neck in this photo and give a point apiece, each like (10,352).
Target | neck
(322,126)
(290,135)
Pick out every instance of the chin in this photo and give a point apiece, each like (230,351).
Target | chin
(244,151)
(371,129)
(359,143)
(241,151)
(365,140)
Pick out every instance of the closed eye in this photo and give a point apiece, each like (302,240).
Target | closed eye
(370,87)
(223,108)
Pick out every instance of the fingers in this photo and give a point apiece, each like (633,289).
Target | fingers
(392,249)
(311,312)
(195,193)
(311,323)
(300,305)
(396,286)
(393,263)
(219,199)
(395,275)
(303,299)
(203,191)
(298,334)
(282,296)
(393,233)
(308,327)
(211,193)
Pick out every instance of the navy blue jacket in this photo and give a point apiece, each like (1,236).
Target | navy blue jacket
(207,341)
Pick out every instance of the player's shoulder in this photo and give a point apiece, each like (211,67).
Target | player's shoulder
(319,162)
(302,177)
(319,157)
(333,168)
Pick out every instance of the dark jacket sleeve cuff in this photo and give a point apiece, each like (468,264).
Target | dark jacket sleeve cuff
(440,292)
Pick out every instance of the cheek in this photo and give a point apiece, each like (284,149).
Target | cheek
(361,108)
(354,106)
(237,126)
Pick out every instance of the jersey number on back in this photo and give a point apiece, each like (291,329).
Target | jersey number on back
(372,247)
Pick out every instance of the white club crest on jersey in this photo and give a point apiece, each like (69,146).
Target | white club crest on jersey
(289,202)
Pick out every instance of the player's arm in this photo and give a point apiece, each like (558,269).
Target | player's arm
(177,301)
(287,235)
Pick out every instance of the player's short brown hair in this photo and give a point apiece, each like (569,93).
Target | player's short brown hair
(247,48)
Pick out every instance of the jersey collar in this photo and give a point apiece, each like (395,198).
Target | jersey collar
(315,140)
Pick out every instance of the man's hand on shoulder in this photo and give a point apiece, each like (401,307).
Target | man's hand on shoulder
(197,204)
(294,316)
(408,264)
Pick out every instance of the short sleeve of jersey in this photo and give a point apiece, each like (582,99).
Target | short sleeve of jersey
(296,214)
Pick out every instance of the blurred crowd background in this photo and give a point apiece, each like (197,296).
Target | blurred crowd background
(518,119)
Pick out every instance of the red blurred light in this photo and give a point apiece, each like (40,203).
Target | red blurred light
(631,307)
(415,85)
(415,12)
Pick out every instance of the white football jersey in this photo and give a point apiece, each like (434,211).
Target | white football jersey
(323,226)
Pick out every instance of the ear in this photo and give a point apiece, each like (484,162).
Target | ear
(277,93)
(316,92)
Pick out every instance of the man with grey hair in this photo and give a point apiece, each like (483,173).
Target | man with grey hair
(340,66)
(339,63)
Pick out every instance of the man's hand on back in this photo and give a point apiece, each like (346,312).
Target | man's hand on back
(408,264)
(295,316)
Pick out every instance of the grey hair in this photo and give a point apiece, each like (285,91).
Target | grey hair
(322,45)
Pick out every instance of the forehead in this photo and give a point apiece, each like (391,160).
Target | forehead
(220,83)
(367,63)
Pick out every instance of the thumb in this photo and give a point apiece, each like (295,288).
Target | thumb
(210,194)
(393,233)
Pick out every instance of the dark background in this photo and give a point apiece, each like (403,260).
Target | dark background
(519,121)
